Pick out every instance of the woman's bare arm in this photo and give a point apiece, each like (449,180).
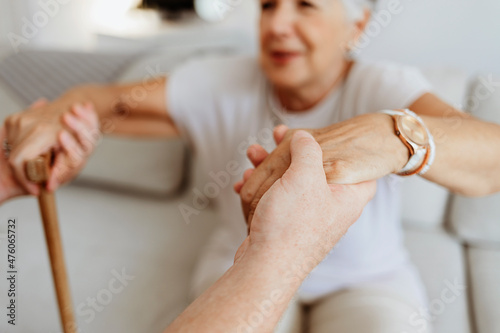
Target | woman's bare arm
(467,149)
(137,109)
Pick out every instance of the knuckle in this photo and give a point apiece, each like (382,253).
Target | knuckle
(336,169)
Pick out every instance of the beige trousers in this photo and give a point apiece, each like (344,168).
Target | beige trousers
(364,310)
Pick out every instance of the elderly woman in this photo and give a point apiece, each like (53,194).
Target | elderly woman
(304,78)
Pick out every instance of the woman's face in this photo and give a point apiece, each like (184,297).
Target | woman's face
(302,41)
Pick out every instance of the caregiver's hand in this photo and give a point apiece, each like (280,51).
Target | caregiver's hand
(360,149)
(301,214)
(71,133)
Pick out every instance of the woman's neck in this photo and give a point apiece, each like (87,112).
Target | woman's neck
(309,95)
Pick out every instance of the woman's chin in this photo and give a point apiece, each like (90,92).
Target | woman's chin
(285,77)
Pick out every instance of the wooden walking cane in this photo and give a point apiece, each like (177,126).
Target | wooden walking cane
(38,171)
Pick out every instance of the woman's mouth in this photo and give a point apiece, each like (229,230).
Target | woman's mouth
(284,57)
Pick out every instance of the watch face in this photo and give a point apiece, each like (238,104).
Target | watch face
(413,130)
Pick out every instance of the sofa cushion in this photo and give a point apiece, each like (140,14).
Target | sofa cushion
(32,74)
(485,296)
(150,166)
(10,103)
(425,203)
(106,234)
(444,277)
(162,63)
(477,220)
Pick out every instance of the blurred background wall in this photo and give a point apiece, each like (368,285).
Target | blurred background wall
(461,33)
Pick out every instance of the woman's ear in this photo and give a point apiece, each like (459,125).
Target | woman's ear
(360,24)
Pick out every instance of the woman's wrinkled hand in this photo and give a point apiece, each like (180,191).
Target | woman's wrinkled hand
(360,149)
(72,134)
(301,214)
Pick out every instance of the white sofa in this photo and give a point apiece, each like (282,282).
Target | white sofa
(122,213)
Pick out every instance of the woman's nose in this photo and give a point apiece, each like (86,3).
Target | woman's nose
(282,21)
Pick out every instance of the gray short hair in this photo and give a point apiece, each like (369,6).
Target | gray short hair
(354,8)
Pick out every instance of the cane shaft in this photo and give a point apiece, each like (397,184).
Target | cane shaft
(47,204)
(38,171)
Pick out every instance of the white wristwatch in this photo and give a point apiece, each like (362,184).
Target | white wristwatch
(410,128)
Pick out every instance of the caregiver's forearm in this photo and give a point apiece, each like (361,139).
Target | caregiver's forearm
(251,296)
(467,154)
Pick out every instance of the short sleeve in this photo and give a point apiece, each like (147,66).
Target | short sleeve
(400,86)
(412,84)
(386,85)
(189,100)
(206,98)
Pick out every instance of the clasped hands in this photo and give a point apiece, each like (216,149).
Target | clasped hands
(358,150)
(355,151)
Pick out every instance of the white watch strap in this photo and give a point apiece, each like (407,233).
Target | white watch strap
(432,144)
(393,112)
(419,154)
(414,162)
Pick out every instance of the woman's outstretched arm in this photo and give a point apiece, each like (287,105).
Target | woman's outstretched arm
(366,148)
(467,149)
(138,109)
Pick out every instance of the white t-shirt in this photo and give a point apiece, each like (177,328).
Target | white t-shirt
(224,105)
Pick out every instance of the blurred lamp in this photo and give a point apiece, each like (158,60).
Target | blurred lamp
(208,10)
(211,10)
